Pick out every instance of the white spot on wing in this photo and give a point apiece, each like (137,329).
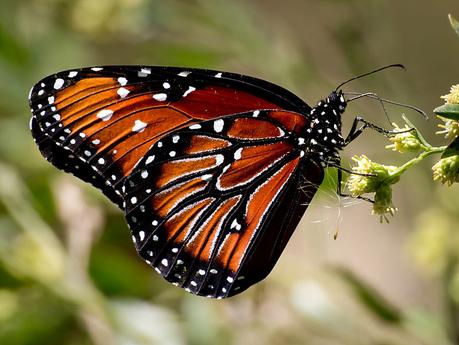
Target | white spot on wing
(122,92)
(139,126)
(160,97)
(206,177)
(219,159)
(218,75)
(184,74)
(166,85)
(150,159)
(58,83)
(190,90)
(97,69)
(105,114)
(73,74)
(51,100)
(144,72)
(122,81)
(142,235)
(237,154)
(235,225)
(218,125)
(196,126)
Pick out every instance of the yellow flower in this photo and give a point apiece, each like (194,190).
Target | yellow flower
(383,203)
(450,128)
(371,177)
(407,141)
(453,96)
(446,170)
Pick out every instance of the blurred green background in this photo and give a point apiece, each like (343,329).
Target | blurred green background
(69,273)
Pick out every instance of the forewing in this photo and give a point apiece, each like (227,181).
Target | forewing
(212,205)
(97,123)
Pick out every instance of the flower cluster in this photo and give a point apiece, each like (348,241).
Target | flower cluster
(371,177)
(446,170)
(407,140)
(450,128)
(453,96)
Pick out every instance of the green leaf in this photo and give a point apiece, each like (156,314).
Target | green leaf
(452,149)
(454,23)
(448,111)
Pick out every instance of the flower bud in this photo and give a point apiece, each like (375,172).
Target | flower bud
(383,203)
(446,170)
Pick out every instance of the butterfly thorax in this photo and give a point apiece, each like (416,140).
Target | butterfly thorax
(323,137)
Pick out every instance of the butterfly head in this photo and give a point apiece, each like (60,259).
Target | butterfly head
(337,101)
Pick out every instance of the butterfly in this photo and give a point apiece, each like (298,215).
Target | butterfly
(213,170)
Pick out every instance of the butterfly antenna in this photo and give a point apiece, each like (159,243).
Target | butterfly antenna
(397,65)
(372,95)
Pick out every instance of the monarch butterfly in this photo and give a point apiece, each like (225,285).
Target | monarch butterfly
(206,165)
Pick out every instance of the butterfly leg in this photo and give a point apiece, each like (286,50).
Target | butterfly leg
(360,124)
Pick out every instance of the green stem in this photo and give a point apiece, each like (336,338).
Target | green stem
(416,160)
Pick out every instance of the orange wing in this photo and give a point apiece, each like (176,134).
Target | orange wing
(97,123)
(211,206)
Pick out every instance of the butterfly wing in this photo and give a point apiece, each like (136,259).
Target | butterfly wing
(96,123)
(212,206)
